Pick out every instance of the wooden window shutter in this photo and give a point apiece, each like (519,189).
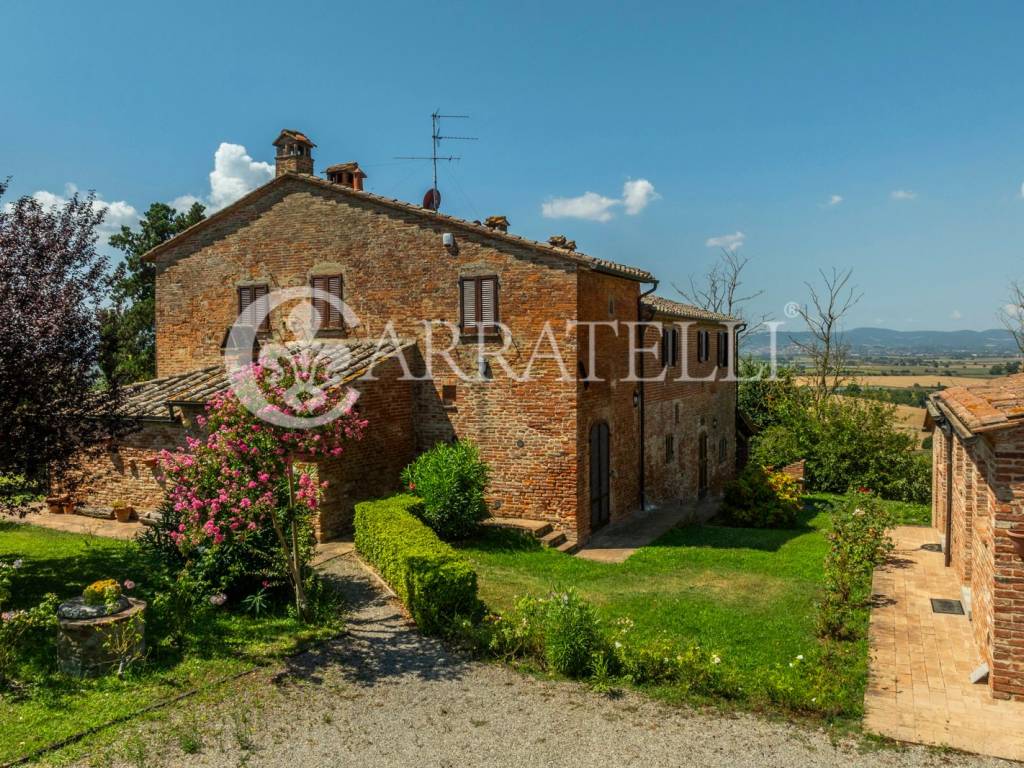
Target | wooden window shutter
(334,287)
(469,305)
(478,302)
(248,295)
(488,302)
(675,346)
(330,315)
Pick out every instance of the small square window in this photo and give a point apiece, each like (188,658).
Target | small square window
(448,395)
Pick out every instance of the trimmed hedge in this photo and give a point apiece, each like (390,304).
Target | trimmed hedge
(436,584)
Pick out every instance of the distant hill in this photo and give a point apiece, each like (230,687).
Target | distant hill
(884,341)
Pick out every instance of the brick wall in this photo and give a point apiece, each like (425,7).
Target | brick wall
(126,471)
(988,499)
(1006,506)
(940,444)
(605,299)
(396,269)
(684,410)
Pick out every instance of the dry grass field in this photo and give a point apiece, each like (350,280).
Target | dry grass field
(925,380)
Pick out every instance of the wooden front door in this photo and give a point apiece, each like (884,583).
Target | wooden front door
(600,496)
(702,465)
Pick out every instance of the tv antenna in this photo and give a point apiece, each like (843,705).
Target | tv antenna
(432,198)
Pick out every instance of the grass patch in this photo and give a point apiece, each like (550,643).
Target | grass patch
(748,594)
(53,707)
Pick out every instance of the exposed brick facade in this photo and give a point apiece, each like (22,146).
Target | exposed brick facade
(397,270)
(987,501)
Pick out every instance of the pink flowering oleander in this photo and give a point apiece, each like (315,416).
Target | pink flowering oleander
(227,482)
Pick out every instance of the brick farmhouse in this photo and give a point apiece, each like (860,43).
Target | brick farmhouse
(579,444)
(978,509)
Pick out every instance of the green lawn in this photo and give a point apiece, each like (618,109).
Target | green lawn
(53,707)
(747,594)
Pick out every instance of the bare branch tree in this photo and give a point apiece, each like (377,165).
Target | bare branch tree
(828,354)
(720,289)
(1011,314)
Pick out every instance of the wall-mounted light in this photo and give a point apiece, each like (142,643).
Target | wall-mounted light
(448,240)
(636,398)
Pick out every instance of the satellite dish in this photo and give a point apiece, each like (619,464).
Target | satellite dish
(432,199)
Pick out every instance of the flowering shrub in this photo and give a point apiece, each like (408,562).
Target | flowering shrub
(103,592)
(858,542)
(761,498)
(242,479)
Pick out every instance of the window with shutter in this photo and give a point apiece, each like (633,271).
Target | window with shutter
(248,295)
(723,349)
(479,304)
(329,312)
(703,343)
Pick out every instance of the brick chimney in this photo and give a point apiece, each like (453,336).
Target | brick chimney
(346,174)
(499,223)
(294,153)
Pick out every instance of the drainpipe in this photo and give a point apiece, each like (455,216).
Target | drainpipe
(640,391)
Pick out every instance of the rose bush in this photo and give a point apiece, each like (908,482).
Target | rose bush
(245,479)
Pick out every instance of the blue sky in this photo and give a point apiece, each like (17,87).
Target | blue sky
(794,124)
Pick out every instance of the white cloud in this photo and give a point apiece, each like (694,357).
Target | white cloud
(116,214)
(636,195)
(589,205)
(234,174)
(729,242)
(902,194)
(833,200)
(955,315)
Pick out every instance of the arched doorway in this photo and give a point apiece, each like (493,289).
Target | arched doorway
(600,472)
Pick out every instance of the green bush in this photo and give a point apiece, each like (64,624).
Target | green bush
(848,443)
(17,490)
(436,584)
(571,634)
(760,498)
(451,480)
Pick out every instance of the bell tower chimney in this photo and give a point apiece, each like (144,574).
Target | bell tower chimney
(294,153)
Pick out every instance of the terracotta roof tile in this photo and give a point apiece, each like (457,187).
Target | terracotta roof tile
(663,306)
(602,265)
(159,398)
(989,404)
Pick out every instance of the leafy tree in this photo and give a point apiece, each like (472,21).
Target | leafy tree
(765,400)
(129,325)
(52,281)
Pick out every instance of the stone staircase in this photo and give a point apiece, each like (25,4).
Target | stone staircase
(544,532)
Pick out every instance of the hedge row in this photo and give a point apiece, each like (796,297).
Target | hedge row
(436,584)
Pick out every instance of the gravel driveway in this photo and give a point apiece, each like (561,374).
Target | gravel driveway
(385,696)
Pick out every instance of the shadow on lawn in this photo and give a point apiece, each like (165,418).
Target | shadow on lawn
(381,644)
(718,535)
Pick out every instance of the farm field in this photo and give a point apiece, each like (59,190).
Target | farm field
(923,380)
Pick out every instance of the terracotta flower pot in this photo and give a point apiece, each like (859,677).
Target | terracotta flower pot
(124,514)
(1017,539)
(55,505)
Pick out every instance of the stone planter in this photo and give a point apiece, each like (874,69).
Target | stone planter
(69,506)
(55,504)
(92,641)
(124,514)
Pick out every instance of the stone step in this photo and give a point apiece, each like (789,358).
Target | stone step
(568,547)
(536,528)
(553,539)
